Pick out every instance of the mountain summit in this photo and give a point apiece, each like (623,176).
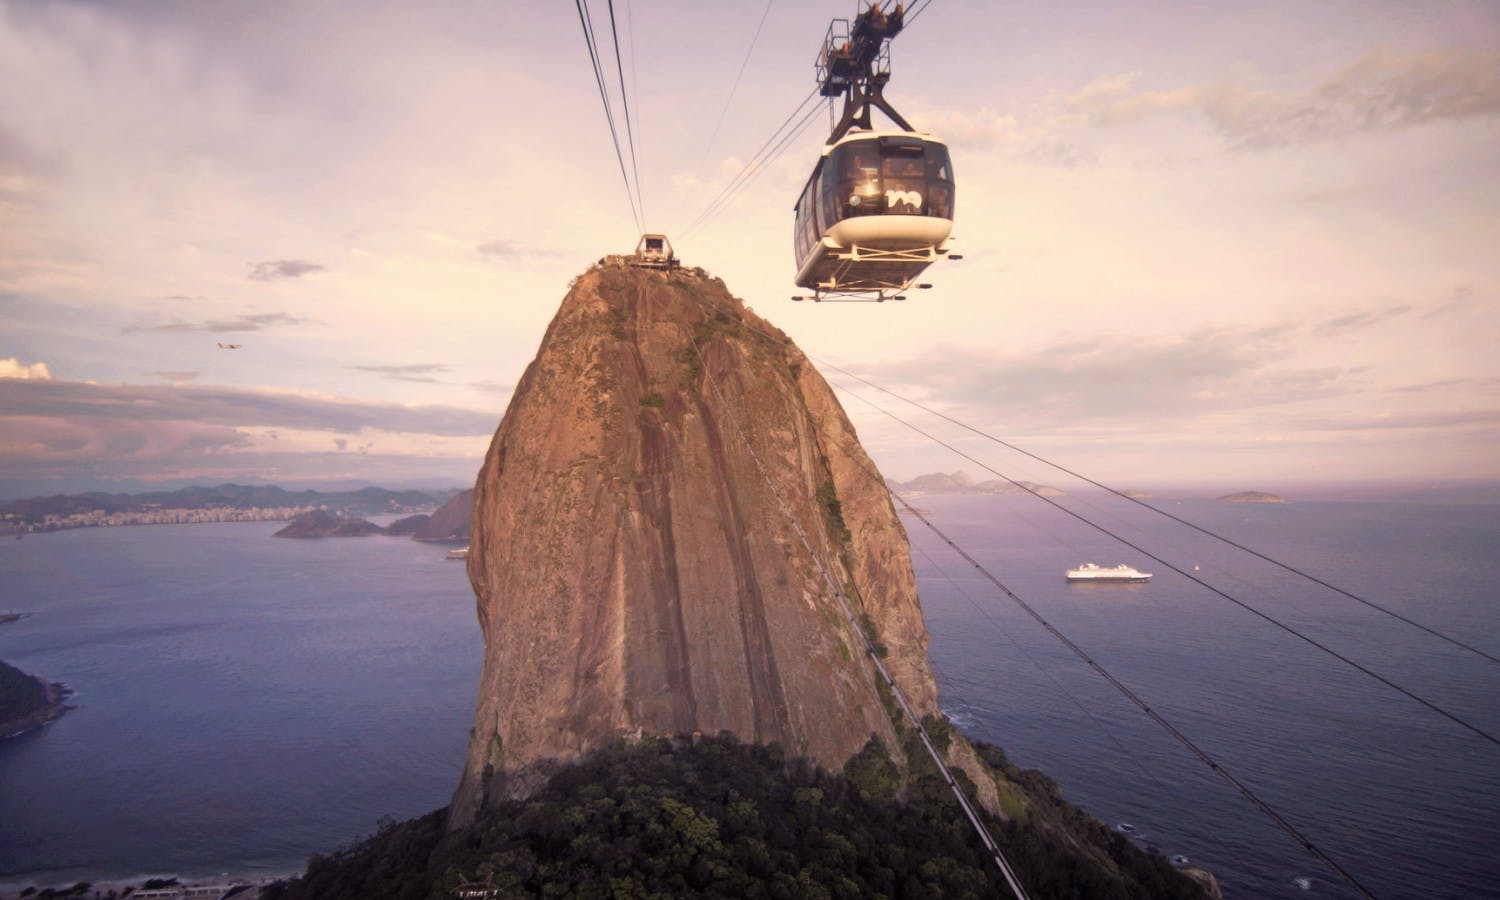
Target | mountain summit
(656,526)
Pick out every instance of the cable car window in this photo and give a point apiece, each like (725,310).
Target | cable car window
(903,167)
(828,203)
(938,165)
(940,199)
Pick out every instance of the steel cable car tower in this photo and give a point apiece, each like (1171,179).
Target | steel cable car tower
(877,209)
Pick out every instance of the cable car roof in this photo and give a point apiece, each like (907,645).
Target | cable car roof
(860,134)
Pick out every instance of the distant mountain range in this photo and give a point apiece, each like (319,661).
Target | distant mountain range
(961,483)
(364,502)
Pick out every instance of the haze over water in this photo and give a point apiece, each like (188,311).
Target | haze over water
(244,702)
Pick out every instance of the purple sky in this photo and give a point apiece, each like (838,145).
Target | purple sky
(1204,242)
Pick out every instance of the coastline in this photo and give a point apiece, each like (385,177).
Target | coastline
(241,887)
(56,705)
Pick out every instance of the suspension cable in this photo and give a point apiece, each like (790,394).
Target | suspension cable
(1041,669)
(916,10)
(1191,577)
(1179,520)
(625,100)
(870,650)
(1134,698)
(745,173)
(754,169)
(609,116)
(735,86)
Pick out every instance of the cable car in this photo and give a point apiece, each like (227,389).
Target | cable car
(654,252)
(877,209)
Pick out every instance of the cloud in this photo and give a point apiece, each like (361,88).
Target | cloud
(60,433)
(1416,421)
(1462,298)
(984,129)
(233,407)
(281,268)
(1356,321)
(505,250)
(1381,91)
(247,322)
(493,387)
(1113,380)
(172,376)
(416,372)
(1447,385)
(14,368)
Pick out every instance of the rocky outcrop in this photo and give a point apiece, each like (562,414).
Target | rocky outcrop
(320,523)
(1251,497)
(449,522)
(657,525)
(28,702)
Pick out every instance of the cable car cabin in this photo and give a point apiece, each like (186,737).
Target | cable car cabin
(876,211)
(654,252)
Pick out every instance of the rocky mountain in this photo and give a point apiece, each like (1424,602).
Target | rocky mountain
(408,525)
(320,523)
(961,483)
(652,527)
(449,522)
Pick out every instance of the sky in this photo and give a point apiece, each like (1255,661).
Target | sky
(1251,244)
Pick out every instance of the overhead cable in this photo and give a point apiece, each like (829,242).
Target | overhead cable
(763,158)
(916,10)
(625,101)
(1178,519)
(1453,717)
(733,87)
(872,652)
(609,116)
(1156,717)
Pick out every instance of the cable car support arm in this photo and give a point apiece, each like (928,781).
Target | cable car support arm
(855,61)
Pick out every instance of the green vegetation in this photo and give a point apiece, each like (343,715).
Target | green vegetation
(720,818)
(833,512)
(867,625)
(616,321)
(692,367)
(654,400)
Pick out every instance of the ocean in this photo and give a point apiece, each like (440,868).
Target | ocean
(245,702)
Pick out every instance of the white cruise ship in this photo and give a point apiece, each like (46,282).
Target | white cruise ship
(460,553)
(1090,572)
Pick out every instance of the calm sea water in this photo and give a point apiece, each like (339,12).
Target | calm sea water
(244,702)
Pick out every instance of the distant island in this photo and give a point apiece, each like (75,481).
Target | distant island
(28,702)
(1251,497)
(961,483)
(320,523)
(224,503)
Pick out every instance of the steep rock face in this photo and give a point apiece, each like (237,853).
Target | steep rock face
(652,527)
